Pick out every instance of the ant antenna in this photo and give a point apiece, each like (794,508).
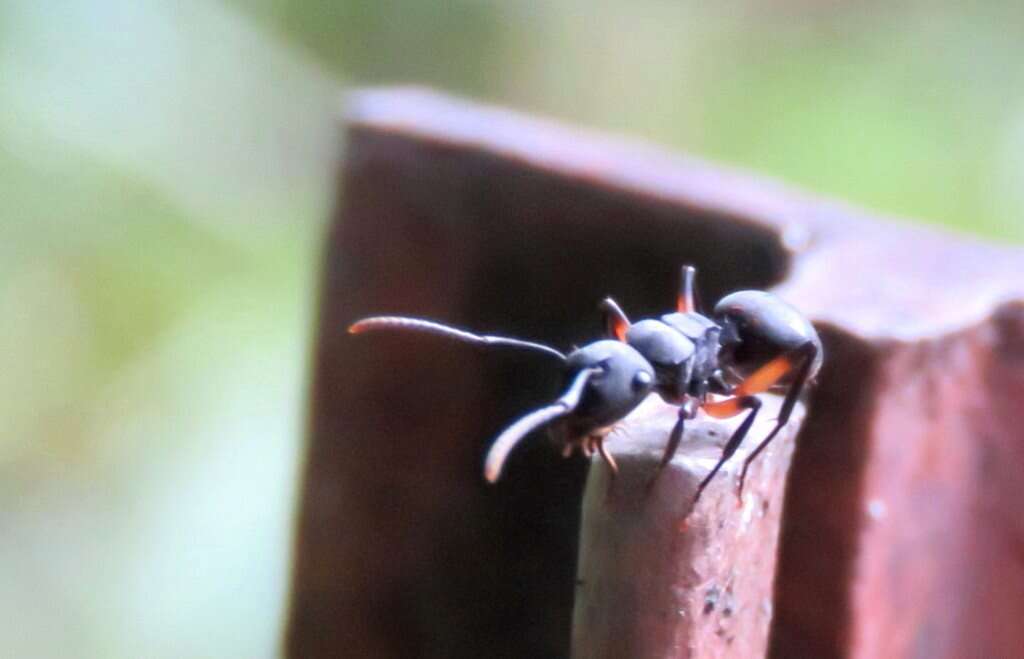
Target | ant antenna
(512,435)
(429,327)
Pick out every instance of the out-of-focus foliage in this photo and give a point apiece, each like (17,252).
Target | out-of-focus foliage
(910,108)
(165,172)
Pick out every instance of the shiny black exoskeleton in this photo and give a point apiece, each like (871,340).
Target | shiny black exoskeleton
(753,343)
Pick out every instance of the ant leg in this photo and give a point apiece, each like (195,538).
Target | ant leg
(722,410)
(687,411)
(807,352)
(615,321)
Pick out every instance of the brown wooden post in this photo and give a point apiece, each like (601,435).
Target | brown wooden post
(660,578)
(901,531)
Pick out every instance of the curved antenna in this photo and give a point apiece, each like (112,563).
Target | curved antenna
(615,321)
(429,327)
(512,435)
(685,301)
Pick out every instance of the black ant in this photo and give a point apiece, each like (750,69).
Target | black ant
(755,342)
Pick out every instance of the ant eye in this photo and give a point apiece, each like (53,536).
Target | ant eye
(641,379)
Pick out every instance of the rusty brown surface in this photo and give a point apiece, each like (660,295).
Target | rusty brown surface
(901,529)
(658,577)
(941,572)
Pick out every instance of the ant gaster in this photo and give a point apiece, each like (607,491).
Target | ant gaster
(756,342)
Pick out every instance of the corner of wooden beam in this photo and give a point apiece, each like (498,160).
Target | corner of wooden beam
(659,577)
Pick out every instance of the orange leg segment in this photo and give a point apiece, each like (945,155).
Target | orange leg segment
(803,360)
(765,377)
(725,409)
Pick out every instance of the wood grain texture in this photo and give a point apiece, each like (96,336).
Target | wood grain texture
(658,577)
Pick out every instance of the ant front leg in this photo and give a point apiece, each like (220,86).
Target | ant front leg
(800,359)
(687,411)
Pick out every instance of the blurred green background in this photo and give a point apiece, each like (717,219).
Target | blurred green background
(165,174)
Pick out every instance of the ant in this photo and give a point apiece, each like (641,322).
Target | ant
(754,342)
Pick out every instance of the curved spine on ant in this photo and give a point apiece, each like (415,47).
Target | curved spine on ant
(607,380)
(754,342)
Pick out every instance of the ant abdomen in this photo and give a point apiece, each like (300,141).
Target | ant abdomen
(757,327)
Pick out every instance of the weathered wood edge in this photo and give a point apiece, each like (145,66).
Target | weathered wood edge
(871,275)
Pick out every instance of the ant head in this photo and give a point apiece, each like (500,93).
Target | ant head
(622,381)
(757,327)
